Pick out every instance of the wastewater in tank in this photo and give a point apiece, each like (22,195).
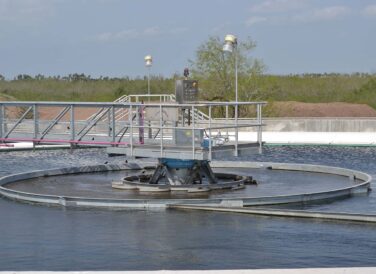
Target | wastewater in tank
(43,238)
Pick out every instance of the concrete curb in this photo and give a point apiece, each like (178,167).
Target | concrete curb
(69,201)
(340,216)
(332,270)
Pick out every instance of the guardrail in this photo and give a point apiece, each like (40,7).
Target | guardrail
(167,124)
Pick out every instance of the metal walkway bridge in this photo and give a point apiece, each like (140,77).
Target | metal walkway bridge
(137,125)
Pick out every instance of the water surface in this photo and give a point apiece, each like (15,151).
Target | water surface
(50,238)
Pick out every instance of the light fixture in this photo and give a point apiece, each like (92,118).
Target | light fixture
(230,43)
(148,60)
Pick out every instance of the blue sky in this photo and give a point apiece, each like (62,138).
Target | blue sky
(111,37)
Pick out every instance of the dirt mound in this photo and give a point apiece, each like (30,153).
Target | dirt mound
(50,113)
(337,109)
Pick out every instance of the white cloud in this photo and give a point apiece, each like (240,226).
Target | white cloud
(152,31)
(25,10)
(255,20)
(136,34)
(370,10)
(330,13)
(323,14)
(120,35)
(178,30)
(276,6)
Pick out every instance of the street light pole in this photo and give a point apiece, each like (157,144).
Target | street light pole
(149,81)
(148,63)
(236,73)
(230,45)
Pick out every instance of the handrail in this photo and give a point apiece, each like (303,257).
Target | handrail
(164,121)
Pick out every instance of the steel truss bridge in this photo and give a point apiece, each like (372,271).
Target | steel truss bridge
(137,125)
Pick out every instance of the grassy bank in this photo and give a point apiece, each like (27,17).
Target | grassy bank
(356,88)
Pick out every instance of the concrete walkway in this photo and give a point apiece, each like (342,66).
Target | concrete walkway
(285,213)
(268,137)
(313,138)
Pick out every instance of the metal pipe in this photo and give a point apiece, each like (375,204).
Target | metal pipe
(107,105)
(149,82)
(236,130)
(236,73)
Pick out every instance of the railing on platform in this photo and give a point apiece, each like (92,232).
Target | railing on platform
(169,125)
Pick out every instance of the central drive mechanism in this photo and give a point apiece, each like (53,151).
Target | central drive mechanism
(182,175)
(183,172)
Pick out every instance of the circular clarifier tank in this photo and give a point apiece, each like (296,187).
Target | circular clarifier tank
(98,185)
(276,184)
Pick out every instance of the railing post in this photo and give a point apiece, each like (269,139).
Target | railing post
(109,122)
(210,141)
(259,127)
(161,126)
(113,124)
(193,134)
(36,121)
(1,120)
(130,116)
(227,122)
(236,130)
(72,125)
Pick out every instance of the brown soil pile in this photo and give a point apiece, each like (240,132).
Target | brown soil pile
(337,109)
(50,113)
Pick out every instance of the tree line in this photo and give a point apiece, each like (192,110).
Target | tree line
(215,71)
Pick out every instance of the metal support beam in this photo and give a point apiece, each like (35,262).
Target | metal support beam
(2,118)
(236,130)
(55,121)
(161,127)
(109,119)
(91,123)
(227,121)
(131,126)
(125,129)
(112,131)
(36,121)
(259,127)
(210,133)
(193,134)
(113,124)
(18,122)
(72,125)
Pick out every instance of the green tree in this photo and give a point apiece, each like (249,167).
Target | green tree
(216,70)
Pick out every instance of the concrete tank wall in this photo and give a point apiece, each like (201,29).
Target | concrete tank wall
(319,124)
